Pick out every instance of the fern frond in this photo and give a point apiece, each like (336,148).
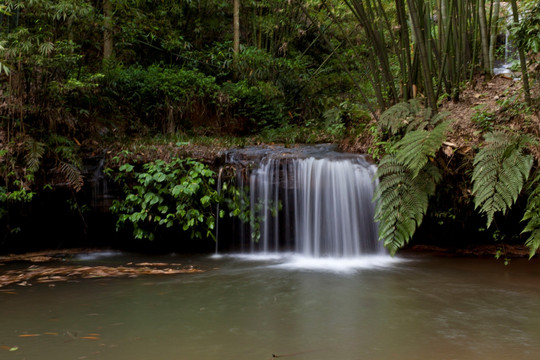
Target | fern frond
(65,149)
(416,147)
(501,168)
(34,152)
(402,200)
(409,116)
(532,216)
(72,174)
(439,118)
(396,118)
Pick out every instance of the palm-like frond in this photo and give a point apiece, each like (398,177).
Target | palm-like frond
(407,178)
(402,200)
(416,147)
(501,168)
(532,216)
(34,152)
(72,174)
(407,116)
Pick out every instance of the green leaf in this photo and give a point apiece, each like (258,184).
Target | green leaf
(126,168)
(159,177)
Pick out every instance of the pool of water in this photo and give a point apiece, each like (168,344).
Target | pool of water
(255,308)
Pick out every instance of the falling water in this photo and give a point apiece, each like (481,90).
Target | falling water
(504,67)
(313,206)
(219,186)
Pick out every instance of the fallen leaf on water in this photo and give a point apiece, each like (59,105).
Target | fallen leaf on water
(94,334)
(15,348)
(29,335)
(5,347)
(90,337)
(44,274)
(151,264)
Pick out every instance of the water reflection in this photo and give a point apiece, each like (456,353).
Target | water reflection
(424,308)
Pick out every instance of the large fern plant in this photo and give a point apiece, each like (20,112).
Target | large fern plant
(532,217)
(501,168)
(407,178)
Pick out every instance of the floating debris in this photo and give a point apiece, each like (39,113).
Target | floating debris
(48,274)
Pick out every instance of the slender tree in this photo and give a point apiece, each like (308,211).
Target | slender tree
(421,44)
(484,35)
(522,59)
(494,31)
(236,27)
(107,30)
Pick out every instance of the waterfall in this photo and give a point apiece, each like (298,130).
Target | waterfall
(313,206)
(503,66)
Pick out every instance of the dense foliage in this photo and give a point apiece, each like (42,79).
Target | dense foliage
(164,194)
(79,77)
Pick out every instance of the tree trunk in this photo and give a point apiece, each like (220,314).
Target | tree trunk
(107,30)
(484,40)
(494,31)
(405,49)
(424,59)
(522,59)
(236,27)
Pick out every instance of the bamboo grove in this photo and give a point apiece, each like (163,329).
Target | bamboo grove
(428,47)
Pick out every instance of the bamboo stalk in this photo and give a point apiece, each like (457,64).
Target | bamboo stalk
(424,60)
(522,59)
(493,37)
(484,40)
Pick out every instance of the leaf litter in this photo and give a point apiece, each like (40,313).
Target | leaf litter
(57,273)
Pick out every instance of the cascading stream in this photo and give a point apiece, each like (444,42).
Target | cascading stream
(315,207)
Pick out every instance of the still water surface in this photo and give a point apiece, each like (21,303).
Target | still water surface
(246,308)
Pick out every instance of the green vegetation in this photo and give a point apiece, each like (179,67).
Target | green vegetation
(501,168)
(180,192)
(407,177)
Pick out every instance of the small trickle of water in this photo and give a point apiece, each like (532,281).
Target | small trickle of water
(219,185)
(101,198)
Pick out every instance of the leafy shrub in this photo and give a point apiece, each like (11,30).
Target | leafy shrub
(261,104)
(526,34)
(483,120)
(152,92)
(165,194)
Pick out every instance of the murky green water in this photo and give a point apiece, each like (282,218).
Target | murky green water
(422,308)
